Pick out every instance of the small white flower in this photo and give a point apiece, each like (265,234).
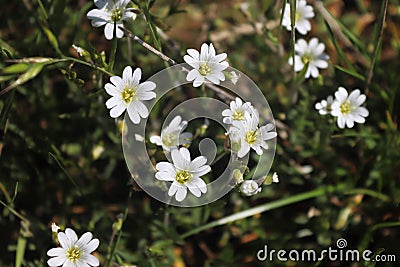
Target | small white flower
(237,111)
(234,77)
(348,108)
(172,136)
(127,93)
(206,65)
(110,12)
(78,50)
(311,53)
(74,252)
(250,188)
(325,106)
(251,136)
(275,178)
(54,228)
(184,174)
(303,13)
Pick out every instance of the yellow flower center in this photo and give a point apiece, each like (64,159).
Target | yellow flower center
(251,137)
(346,108)
(297,16)
(128,94)
(116,14)
(204,69)
(183,176)
(74,254)
(168,139)
(238,115)
(306,58)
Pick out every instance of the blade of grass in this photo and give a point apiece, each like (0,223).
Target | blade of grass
(66,172)
(351,72)
(292,33)
(267,207)
(377,44)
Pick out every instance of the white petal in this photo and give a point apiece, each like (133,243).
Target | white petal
(193,74)
(91,260)
(185,153)
(63,239)
(111,89)
(199,81)
(147,86)
(118,82)
(113,101)
(165,167)
(55,252)
(362,111)
(244,149)
(56,261)
(141,108)
(354,95)
(360,100)
(116,111)
(197,163)
(156,140)
(341,122)
(174,187)
(199,183)
(84,240)
(109,31)
(194,54)
(203,170)
(92,245)
(133,113)
(127,73)
(341,94)
(181,193)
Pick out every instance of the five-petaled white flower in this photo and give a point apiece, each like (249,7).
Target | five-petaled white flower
(127,93)
(110,12)
(237,111)
(206,65)
(325,106)
(249,188)
(303,13)
(184,174)
(251,136)
(74,252)
(172,136)
(311,53)
(347,108)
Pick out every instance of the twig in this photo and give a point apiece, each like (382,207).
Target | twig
(151,49)
(378,43)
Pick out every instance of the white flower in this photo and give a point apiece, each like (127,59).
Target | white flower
(325,106)
(108,13)
(251,136)
(79,50)
(250,188)
(127,93)
(236,111)
(311,53)
(172,136)
(54,228)
(74,252)
(303,13)
(275,178)
(348,108)
(184,174)
(206,64)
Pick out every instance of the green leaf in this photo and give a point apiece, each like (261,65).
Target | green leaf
(16,68)
(31,73)
(21,246)
(351,72)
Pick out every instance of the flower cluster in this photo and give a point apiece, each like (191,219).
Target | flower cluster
(245,134)
(307,54)
(244,131)
(346,107)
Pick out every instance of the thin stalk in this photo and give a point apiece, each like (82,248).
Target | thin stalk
(292,33)
(89,65)
(120,232)
(378,43)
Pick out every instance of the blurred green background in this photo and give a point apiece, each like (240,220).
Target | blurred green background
(61,156)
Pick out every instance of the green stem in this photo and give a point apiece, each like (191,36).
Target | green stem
(113,49)
(368,192)
(120,232)
(292,33)
(13,211)
(377,45)
(267,207)
(90,65)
